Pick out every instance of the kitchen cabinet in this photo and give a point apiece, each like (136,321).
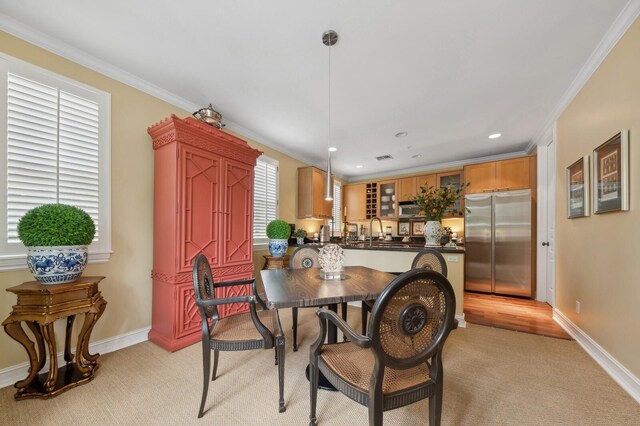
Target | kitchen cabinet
(355,201)
(426,180)
(311,188)
(406,188)
(371,205)
(387,203)
(202,203)
(455,179)
(503,175)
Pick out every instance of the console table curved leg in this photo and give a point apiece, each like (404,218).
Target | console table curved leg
(16,332)
(68,356)
(85,353)
(42,352)
(50,338)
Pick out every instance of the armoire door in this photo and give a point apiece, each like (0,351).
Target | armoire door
(238,213)
(200,206)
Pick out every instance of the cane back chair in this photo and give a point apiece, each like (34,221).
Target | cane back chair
(427,258)
(256,329)
(399,361)
(306,257)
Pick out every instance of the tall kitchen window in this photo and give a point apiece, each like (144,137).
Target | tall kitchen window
(265,197)
(337,212)
(56,150)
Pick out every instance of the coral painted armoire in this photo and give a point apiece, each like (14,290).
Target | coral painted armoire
(203,202)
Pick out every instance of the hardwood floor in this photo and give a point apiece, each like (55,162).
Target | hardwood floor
(512,313)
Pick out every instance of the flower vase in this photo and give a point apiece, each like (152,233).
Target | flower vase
(278,247)
(432,233)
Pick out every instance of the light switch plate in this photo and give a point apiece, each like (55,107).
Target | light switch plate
(453,259)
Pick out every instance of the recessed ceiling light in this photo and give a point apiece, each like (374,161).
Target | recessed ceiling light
(359,166)
(401,134)
(333,149)
(495,136)
(416,156)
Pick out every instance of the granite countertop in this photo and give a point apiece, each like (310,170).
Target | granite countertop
(387,245)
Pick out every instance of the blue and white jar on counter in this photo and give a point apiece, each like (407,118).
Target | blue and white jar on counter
(278,247)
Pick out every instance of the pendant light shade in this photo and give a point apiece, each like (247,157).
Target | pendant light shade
(329,38)
(328,188)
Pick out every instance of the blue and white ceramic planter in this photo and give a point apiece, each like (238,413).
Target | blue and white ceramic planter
(278,247)
(57,265)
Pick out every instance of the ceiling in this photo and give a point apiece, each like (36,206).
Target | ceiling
(447,73)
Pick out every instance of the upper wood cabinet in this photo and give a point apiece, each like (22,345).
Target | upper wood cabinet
(455,179)
(503,175)
(311,187)
(406,188)
(355,201)
(387,199)
(426,180)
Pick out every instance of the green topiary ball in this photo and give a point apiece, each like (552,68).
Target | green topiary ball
(278,230)
(56,225)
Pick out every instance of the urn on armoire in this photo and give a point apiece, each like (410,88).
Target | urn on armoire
(203,202)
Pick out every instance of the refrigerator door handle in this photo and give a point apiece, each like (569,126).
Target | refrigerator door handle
(493,244)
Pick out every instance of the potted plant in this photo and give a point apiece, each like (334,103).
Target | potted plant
(278,232)
(434,203)
(300,235)
(57,237)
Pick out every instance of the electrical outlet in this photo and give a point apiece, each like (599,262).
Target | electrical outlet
(453,259)
(577,307)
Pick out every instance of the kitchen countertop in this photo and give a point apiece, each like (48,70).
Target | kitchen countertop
(390,246)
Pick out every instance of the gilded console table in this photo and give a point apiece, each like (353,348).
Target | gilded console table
(39,306)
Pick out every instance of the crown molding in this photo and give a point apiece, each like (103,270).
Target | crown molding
(619,27)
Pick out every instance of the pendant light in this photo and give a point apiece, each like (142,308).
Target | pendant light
(329,38)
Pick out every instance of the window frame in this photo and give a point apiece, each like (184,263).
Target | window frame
(262,243)
(13,256)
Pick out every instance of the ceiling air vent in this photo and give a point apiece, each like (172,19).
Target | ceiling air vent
(384,157)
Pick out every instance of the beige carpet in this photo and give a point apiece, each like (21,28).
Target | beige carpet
(492,377)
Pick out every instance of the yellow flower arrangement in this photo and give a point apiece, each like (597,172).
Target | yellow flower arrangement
(435,202)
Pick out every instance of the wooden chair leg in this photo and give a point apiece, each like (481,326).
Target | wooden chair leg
(206,364)
(294,313)
(280,352)
(215,364)
(435,405)
(313,391)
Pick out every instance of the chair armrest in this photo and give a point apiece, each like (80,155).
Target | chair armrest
(232,283)
(225,300)
(355,338)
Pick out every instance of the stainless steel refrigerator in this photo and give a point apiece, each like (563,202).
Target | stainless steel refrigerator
(498,236)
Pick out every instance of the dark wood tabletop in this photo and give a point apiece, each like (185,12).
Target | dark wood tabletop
(286,288)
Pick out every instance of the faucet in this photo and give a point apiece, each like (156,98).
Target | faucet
(371,227)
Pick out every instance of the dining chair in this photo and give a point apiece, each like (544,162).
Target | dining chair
(256,329)
(306,257)
(427,258)
(399,361)
(430,259)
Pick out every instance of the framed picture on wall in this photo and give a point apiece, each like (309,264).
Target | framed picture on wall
(578,188)
(417,228)
(611,175)
(404,228)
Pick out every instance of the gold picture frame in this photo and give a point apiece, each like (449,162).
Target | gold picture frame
(610,167)
(417,228)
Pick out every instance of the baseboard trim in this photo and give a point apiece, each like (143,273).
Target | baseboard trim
(10,375)
(461,322)
(627,381)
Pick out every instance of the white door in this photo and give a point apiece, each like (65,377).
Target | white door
(551,225)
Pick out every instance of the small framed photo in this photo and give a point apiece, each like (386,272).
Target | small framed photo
(578,188)
(417,228)
(611,175)
(404,228)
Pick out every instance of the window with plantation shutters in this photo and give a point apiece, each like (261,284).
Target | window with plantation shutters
(265,197)
(56,151)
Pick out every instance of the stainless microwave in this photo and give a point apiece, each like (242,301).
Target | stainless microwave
(407,209)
